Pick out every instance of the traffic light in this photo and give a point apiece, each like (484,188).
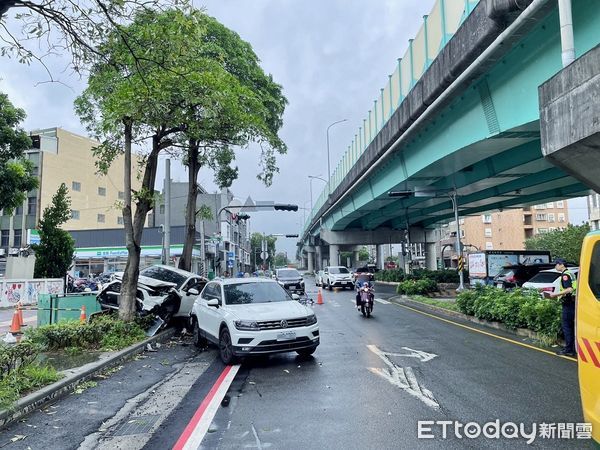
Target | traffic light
(242,217)
(284,207)
(291,235)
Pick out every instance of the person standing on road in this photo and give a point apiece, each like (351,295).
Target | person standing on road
(566,293)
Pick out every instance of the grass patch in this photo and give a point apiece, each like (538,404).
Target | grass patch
(24,380)
(452,306)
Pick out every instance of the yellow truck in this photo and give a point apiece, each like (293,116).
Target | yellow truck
(588,330)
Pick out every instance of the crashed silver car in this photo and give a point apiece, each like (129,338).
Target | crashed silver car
(164,291)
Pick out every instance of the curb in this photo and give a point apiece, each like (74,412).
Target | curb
(73,377)
(521,332)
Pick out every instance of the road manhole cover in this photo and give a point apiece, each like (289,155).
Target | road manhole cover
(136,425)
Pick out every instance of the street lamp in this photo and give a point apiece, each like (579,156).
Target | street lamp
(453,194)
(328,158)
(311,196)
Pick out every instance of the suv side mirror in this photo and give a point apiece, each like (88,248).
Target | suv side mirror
(295,297)
(193,291)
(213,302)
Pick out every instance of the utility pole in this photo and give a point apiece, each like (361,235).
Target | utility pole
(202,249)
(167,189)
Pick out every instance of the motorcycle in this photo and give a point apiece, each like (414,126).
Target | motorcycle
(367,299)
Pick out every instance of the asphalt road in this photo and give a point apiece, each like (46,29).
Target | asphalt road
(367,386)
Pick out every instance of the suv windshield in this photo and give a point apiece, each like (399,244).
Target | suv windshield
(288,273)
(244,293)
(162,274)
(338,270)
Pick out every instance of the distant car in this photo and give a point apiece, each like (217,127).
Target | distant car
(319,277)
(548,280)
(515,275)
(370,271)
(252,316)
(337,276)
(290,279)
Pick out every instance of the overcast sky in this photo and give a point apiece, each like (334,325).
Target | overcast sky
(331,57)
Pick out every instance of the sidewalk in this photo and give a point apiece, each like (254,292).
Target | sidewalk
(6,315)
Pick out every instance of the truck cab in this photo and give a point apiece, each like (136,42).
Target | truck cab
(588,330)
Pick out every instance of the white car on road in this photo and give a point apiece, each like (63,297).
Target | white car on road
(252,316)
(337,276)
(548,280)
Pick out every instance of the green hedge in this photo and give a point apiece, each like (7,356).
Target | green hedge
(439,276)
(417,287)
(520,308)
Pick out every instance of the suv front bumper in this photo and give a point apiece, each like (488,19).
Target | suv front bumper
(266,342)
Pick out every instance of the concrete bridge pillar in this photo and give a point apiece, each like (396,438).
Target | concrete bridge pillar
(319,257)
(334,255)
(380,258)
(431,255)
(311,261)
(354,258)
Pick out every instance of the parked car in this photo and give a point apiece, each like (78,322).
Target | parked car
(319,277)
(162,290)
(548,280)
(515,275)
(290,279)
(252,316)
(337,276)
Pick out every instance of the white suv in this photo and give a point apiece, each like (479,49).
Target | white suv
(337,276)
(252,316)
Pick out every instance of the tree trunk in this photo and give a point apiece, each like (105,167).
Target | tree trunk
(134,227)
(132,268)
(185,262)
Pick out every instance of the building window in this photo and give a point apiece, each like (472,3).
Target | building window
(102,191)
(542,230)
(561,217)
(489,246)
(551,229)
(120,220)
(560,204)
(551,217)
(488,232)
(541,217)
(487,218)
(461,221)
(161,209)
(101,218)
(74,214)
(121,195)
(541,206)
(31,205)
(17,239)
(550,205)
(76,186)
(4,235)
(35,171)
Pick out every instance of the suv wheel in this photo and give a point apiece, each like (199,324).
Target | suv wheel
(226,347)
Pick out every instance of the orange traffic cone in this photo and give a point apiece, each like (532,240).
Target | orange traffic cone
(20,314)
(15,326)
(319,297)
(82,316)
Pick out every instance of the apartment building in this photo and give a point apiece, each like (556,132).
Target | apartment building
(594,211)
(60,156)
(507,230)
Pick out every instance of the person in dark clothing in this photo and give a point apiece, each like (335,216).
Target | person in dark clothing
(361,280)
(566,293)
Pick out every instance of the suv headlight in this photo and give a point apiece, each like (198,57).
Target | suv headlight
(311,320)
(281,283)
(301,281)
(246,325)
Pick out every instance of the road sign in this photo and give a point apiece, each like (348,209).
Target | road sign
(230,255)
(230,263)
(264,256)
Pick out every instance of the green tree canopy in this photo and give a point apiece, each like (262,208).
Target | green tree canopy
(15,171)
(54,253)
(561,243)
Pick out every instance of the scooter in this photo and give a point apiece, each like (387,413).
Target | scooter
(367,299)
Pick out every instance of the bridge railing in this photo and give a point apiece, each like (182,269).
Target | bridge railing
(438,27)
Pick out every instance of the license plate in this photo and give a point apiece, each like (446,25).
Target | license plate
(345,282)
(286,336)
(500,285)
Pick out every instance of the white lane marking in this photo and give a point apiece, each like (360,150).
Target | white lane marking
(258,444)
(382,301)
(423,356)
(201,427)
(404,378)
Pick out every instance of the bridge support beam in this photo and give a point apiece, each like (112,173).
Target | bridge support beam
(311,261)
(334,254)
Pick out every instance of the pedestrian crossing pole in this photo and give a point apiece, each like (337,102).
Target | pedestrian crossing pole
(453,197)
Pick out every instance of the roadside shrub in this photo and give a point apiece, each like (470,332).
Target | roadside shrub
(520,308)
(417,287)
(439,276)
(104,332)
